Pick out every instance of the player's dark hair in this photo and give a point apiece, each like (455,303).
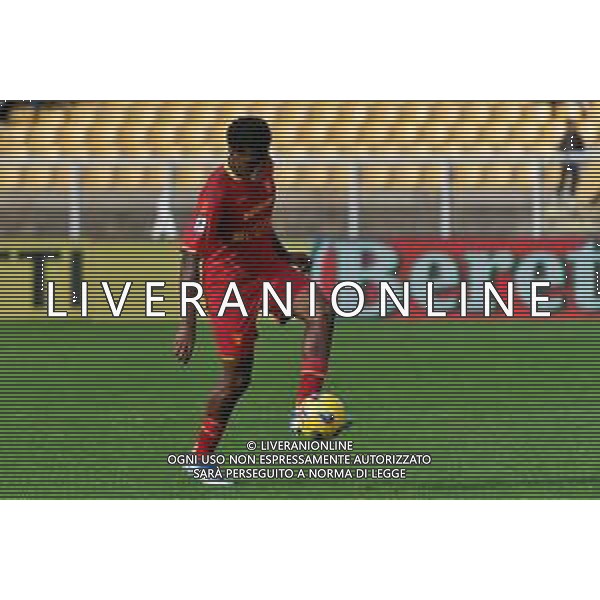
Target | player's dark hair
(249,132)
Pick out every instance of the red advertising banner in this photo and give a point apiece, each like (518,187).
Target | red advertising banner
(549,277)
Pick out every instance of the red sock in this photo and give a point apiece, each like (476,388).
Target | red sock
(311,379)
(209,437)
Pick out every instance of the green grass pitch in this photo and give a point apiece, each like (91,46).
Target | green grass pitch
(90,409)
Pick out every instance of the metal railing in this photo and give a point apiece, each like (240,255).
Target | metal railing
(354,163)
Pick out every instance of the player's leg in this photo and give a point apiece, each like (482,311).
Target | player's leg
(235,338)
(316,347)
(318,332)
(235,379)
(574,180)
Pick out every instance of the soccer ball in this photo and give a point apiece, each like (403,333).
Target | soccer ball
(321,417)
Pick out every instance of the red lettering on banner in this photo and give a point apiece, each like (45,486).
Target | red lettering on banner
(569,264)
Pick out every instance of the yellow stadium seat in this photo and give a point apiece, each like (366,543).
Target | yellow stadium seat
(65,178)
(523,177)
(16,132)
(105,130)
(11,177)
(133,133)
(165,132)
(431,177)
(74,136)
(383,119)
(44,137)
(337,135)
(202,130)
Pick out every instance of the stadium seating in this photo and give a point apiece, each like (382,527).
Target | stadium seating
(172,131)
(178,128)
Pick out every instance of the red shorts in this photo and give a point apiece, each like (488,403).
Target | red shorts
(235,335)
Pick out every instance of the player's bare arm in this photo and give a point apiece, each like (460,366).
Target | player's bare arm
(185,337)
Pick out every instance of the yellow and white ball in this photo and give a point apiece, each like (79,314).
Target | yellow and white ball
(321,417)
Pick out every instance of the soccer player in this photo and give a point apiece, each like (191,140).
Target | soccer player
(571,143)
(231,239)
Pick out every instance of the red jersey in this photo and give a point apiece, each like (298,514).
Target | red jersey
(232,231)
(233,217)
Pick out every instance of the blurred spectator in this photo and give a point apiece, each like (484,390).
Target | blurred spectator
(7,105)
(5,108)
(571,143)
